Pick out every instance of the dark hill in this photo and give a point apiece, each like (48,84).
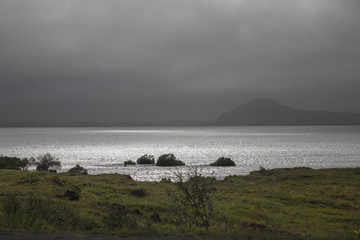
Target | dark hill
(269,112)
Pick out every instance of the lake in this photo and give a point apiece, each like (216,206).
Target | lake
(103,150)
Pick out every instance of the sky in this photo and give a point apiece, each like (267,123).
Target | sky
(152,60)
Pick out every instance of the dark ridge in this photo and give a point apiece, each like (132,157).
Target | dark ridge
(269,112)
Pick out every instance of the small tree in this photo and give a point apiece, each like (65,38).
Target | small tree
(48,163)
(193,200)
(16,163)
(25,163)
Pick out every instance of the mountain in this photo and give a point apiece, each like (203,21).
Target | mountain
(54,124)
(106,124)
(269,112)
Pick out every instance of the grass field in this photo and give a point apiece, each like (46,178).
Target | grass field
(297,203)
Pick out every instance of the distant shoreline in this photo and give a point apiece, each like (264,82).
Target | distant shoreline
(166,125)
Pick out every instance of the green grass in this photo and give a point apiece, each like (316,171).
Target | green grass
(297,203)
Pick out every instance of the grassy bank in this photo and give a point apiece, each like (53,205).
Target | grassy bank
(298,203)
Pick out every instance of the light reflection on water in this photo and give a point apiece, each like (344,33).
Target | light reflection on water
(103,150)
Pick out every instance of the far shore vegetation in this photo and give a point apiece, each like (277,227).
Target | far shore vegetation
(291,203)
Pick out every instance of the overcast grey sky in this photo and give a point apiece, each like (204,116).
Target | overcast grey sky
(135,60)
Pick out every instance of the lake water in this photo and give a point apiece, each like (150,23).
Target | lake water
(103,150)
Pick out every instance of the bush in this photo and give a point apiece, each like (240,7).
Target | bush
(193,200)
(138,192)
(25,163)
(129,162)
(224,162)
(16,163)
(9,162)
(78,170)
(169,160)
(47,163)
(146,159)
(72,195)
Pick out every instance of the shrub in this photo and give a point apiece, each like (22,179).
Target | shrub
(78,170)
(9,162)
(16,163)
(224,162)
(140,192)
(194,199)
(72,195)
(47,163)
(169,160)
(129,162)
(25,163)
(146,159)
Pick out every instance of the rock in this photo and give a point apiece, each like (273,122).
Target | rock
(169,160)
(129,163)
(223,162)
(146,159)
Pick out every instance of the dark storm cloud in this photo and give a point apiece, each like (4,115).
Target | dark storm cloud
(114,60)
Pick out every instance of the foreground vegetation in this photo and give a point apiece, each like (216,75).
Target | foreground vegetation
(298,203)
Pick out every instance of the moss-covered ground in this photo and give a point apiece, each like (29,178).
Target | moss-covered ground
(297,203)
